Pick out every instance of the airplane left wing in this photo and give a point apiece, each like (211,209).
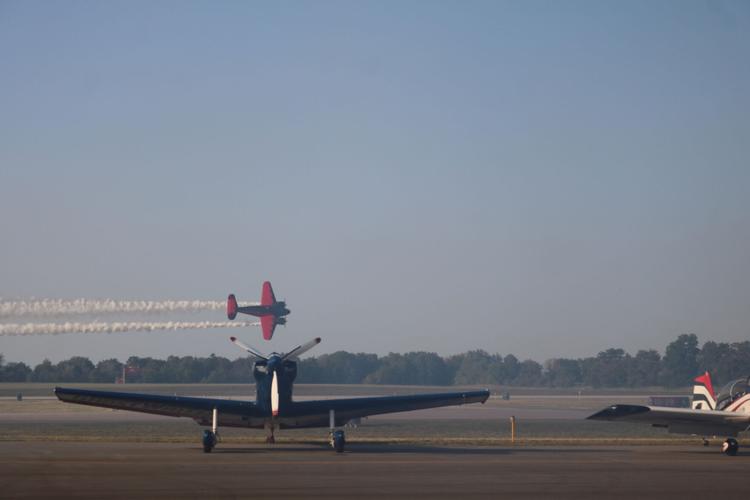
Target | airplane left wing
(678,420)
(199,409)
(317,412)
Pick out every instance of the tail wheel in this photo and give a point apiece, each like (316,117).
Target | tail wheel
(209,441)
(730,447)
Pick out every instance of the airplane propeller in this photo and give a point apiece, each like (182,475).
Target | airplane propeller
(294,354)
(301,349)
(247,348)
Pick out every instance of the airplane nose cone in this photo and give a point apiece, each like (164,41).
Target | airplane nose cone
(274,363)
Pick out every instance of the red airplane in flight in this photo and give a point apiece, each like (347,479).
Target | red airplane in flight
(270,311)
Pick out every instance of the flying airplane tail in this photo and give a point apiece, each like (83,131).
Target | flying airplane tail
(231,306)
(703,393)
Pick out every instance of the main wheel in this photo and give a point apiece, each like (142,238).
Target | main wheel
(339,441)
(730,447)
(209,441)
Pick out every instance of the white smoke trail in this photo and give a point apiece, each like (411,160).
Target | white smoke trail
(115,327)
(59,307)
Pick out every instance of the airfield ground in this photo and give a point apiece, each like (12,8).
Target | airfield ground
(169,470)
(48,448)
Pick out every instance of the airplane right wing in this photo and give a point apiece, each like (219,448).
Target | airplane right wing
(267,297)
(268,325)
(678,420)
(199,409)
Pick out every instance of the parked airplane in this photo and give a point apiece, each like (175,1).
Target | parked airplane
(724,415)
(273,407)
(270,311)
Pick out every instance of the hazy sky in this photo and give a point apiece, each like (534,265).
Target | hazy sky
(538,178)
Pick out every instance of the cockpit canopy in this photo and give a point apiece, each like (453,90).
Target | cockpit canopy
(732,392)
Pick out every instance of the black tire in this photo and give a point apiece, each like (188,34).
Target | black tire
(209,441)
(730,447)
(339,441)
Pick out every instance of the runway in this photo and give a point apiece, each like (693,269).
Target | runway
(130,470)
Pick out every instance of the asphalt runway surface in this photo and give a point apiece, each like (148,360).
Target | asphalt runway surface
(148,470)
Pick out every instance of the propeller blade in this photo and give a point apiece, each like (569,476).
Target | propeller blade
(247,348)
(301,349)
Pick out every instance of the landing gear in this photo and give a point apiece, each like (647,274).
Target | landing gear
(705,442)
(209,441)
(730,447)
(210,438)
(269,433)
(338,441)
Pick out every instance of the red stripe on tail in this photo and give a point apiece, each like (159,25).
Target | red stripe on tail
(705,379)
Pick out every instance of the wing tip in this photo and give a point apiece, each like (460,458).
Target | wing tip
(618,411)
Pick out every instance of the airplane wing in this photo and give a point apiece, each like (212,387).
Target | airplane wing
(268,325)
(317,412)
(267,297)
(678,420)
(199,409)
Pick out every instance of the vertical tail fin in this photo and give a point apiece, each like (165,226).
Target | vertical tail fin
(703,393)
(231,306)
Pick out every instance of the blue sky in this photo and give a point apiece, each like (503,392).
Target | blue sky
(538,178)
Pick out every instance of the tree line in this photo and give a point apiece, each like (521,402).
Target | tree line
(683,359)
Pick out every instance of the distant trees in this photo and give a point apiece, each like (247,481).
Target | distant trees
(341,367)
(680,364)
(682,361)
(644,369)
(14,372)
(563,372)
(106,371)
(188,369)
(724,361)
(413,368)
(74,369)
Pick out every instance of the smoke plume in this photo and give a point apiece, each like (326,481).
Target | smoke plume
(36,308)
(114,327)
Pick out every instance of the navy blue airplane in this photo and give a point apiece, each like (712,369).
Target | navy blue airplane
(273,407)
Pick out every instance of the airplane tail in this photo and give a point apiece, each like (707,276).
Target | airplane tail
(231,306)
(703,393)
